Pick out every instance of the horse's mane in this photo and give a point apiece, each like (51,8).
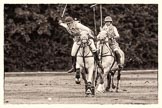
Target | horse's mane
(102,35)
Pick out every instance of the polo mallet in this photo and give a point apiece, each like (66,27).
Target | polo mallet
(63,11)
(94,16)
(101,13)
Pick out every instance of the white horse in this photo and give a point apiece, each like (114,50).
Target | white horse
(85,64)
(109,64)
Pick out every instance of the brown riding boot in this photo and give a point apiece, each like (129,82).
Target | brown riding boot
(73,69)
(117,54)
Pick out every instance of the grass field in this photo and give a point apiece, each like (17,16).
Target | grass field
(137,87)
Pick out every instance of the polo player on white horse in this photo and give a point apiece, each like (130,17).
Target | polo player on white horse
(75,28)
(85,63)
(109,50)
(113,35)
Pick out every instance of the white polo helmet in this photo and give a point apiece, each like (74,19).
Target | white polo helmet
(108,18)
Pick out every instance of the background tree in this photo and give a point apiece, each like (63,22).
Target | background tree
(33,40)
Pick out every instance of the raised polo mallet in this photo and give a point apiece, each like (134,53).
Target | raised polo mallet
(64,11)
(101,14)
(94,16)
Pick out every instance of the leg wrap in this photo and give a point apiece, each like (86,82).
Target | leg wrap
(88,88)
(93,90)
(74,62)
(118,76)
(77,73)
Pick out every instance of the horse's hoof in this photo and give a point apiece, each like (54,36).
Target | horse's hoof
(77,81)
(98,92)
(89,95)
(118,90)
(88,92)
(113,86)
(107,89)
(111,90)
(100,88)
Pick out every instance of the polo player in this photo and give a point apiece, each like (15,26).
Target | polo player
(113,35)
(74,28)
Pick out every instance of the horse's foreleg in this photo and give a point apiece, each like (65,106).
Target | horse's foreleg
(84,76)
(108,81)
(107,78)
(112,80)
(118,80)
(99,75)
(94,82)
(96,79)
(90,75)
(77,76)
(90,86)
(103,81)
(87,84)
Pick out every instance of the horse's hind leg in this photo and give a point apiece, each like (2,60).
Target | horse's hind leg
(97,76)
(93,82)
(118,80)
(112,80)
(108,81)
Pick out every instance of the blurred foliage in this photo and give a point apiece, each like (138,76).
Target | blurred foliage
(33,40)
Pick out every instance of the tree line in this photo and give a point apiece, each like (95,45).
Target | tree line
(34,41)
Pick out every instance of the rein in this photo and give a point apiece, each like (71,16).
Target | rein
(84,60)
(105,54)
(82,46)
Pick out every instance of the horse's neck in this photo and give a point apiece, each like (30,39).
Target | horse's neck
(84,51)
(105,49)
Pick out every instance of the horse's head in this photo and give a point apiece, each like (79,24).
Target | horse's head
(84,43)
(84,36)
(102,36)
(103,42)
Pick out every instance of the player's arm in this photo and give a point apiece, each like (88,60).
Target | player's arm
(116,33)
(84,28)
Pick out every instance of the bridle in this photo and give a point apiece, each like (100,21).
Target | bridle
(83,43)
(105,42)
